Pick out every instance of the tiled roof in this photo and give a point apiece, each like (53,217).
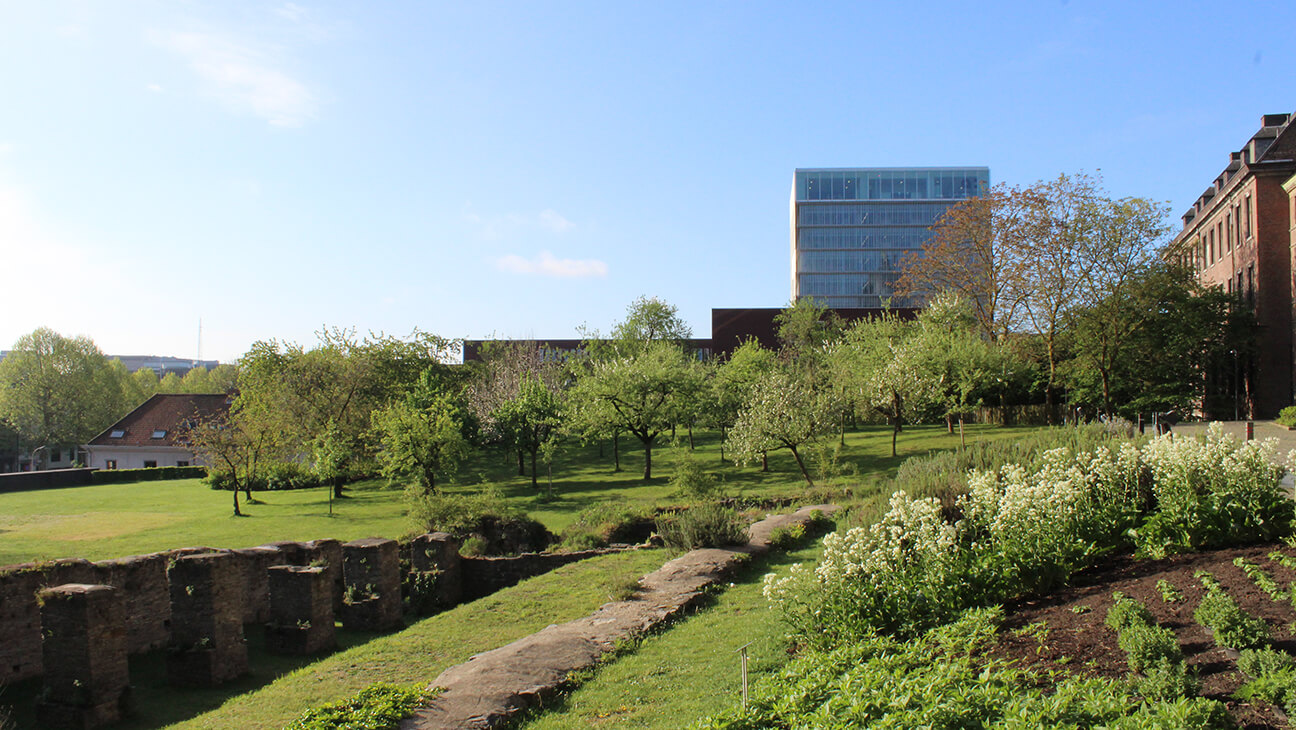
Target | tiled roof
(162,415)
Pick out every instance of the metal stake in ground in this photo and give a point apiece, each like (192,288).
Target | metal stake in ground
(743,650)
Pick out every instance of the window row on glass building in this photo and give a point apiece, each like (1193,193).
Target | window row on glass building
(830,262)
(852,284)
(871,214)
(852,238)
(882,184)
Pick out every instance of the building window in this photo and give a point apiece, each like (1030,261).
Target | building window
(1251,284)
(1228,231)
(159,433)
(182,462)
(150,464)
(110,463)
(116,433)
(1247,218)
(56,455)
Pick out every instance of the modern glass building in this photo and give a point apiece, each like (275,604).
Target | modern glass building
(852,228)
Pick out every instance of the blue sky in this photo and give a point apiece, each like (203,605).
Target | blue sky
(521,169)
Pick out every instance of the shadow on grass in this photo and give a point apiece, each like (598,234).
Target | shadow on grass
(155,704)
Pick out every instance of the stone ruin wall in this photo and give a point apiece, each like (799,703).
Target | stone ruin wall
(142,587)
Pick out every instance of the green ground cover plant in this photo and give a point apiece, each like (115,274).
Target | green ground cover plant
(706,524)
(1273,677)
(1287,416)
(943,679)
(378,707)
(1169,594)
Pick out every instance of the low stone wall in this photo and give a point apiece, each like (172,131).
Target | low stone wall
(485,575)
(146,595)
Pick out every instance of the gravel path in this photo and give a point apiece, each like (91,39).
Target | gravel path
(491,688)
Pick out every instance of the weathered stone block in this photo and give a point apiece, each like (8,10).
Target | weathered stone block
(142,581)
(371,570)
(328,555)
(438,553)
(301,611)
(255,563)
(87,677)
(207,646)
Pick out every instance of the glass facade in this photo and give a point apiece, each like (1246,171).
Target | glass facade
(852,229)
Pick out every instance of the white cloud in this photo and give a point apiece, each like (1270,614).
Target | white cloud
(244,77)
(552,220)
(291,11)
(546,264)
(155,88)
(497,227)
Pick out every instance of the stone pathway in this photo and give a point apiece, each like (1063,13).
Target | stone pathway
(490,688)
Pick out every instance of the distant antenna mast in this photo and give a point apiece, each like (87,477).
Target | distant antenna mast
(199,339)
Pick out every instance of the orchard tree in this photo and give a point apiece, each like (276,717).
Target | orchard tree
(421,435)
(57,390)
(882,366)
(783,411)
(233,449)
(531,420)
(806,326)
(745,369)
(643,394)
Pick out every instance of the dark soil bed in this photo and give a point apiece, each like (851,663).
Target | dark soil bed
(1077,641)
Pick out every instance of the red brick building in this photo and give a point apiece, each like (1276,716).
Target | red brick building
(1239,236)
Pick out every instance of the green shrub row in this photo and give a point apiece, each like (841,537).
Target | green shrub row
(944,680)
(484,523)
(1232,626)
(156,473)
(1263,580)
(1273,677)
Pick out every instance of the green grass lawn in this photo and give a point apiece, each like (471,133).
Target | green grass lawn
(692,670)
(115,520)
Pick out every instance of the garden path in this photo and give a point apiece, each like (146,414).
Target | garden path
(489,689)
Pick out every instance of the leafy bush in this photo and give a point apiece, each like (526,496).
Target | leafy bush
(709,524)
(604,523)
(1147,645)
(422,593)
(1126,612)
(1166,680)
(498,527)
(378,707)
(1256,663)
(1287,416)
(1263,580)
(690,481)
(1232,627)
(1277,687)
(786,538)
(157,473)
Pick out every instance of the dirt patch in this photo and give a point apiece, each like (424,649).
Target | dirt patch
(1077,641)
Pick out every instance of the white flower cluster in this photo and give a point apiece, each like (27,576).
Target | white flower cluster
(1222,464)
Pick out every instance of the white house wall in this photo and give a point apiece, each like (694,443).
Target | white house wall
(133,457)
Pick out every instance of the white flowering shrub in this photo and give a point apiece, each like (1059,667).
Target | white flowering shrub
(1212,493)
(1025,531)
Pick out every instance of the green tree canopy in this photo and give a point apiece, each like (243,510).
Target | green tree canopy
(59,391)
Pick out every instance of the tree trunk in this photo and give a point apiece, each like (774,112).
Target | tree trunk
(796,455)
(534,483)
(648,459)
(521,464)
(616,450)
(690,428)
(237,513)
(895,433)
(722,440)
(842,420)
(764,461)
(962,440)
(949,423)
(337,489)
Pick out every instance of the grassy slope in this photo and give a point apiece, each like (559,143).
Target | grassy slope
(693,669)
(124,519)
